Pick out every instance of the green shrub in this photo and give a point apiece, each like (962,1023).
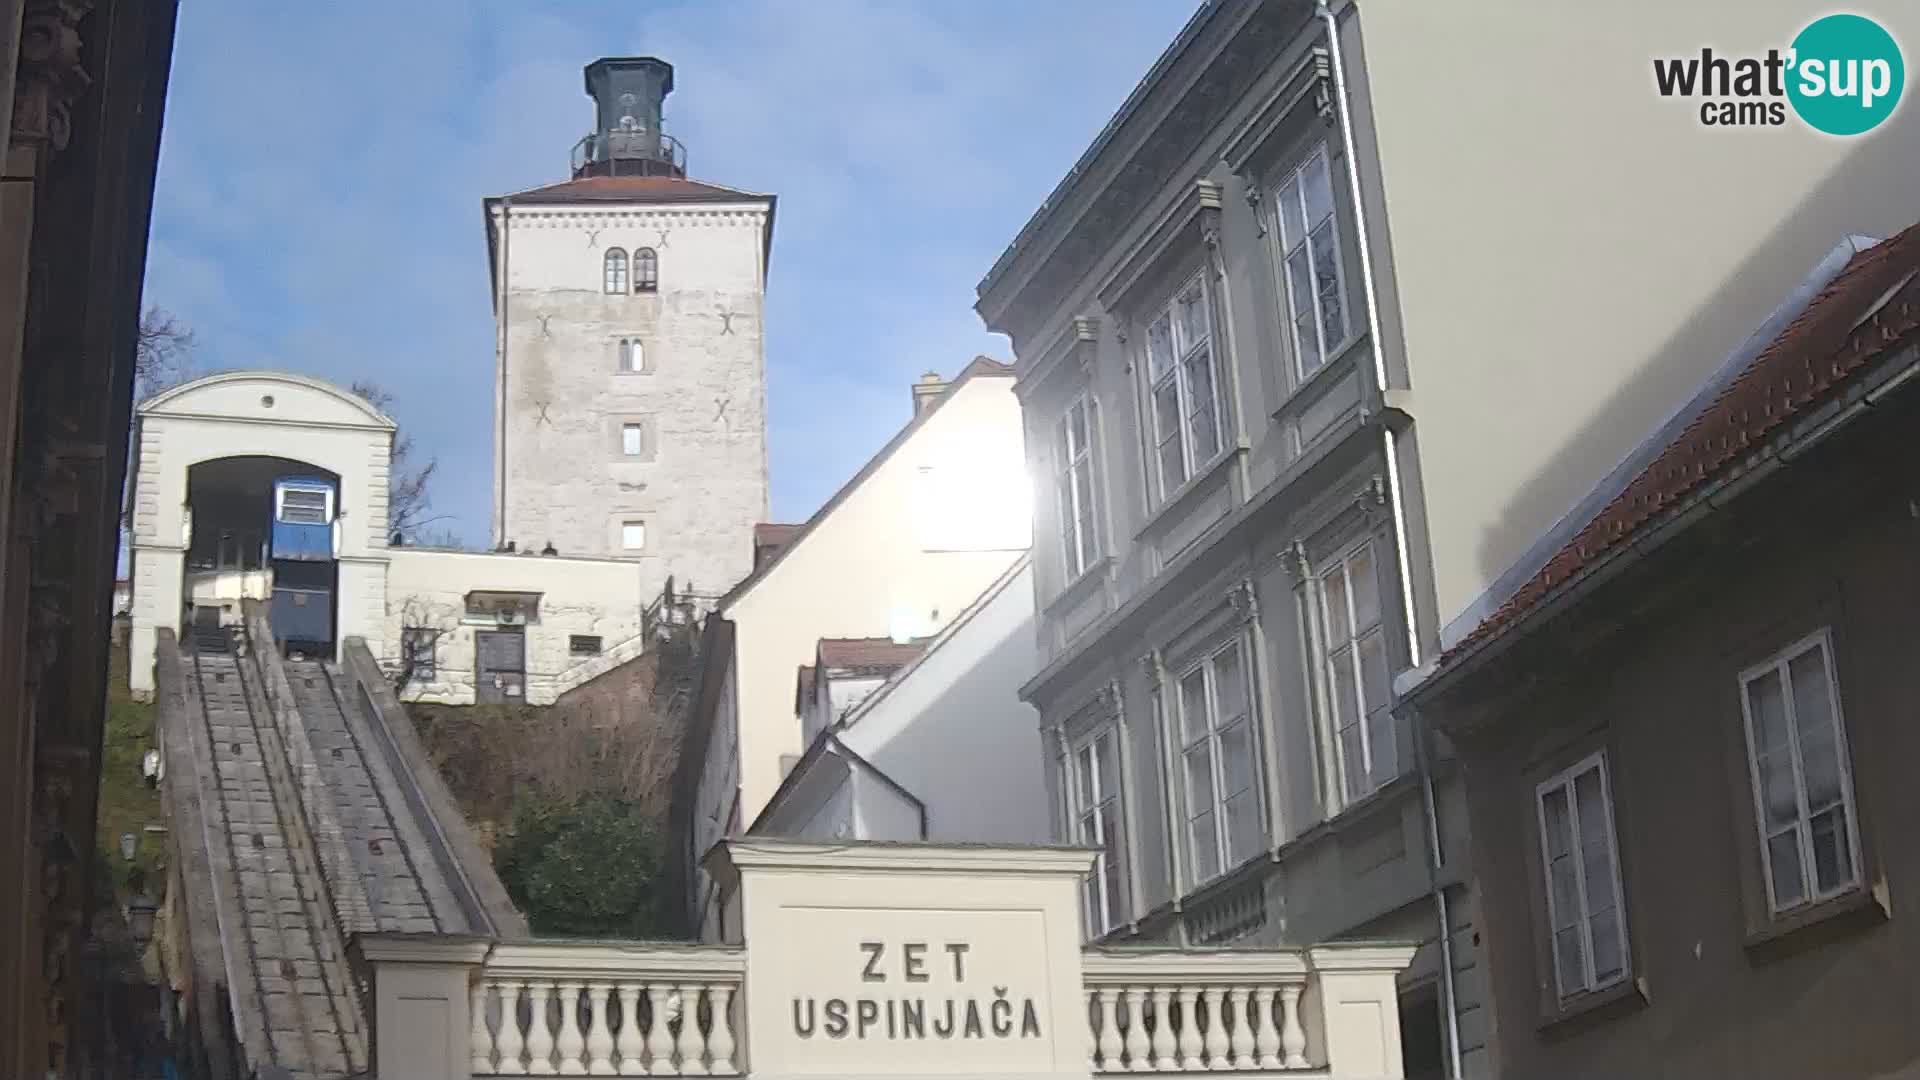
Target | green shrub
(583,867)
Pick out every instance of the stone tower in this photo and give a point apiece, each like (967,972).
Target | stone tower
(630,387)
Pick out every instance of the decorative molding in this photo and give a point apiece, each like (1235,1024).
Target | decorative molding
(50,74)
(1253,195)
(1371,499)
(1154,669)
(1245,600)
(1293,558)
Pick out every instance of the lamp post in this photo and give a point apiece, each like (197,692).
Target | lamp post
(140,913)
(129,846)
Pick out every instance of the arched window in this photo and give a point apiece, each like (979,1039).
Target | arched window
(633,355)
(616,270)
(646,270)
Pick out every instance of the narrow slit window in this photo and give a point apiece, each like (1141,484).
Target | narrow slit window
(632,439)
(633,356)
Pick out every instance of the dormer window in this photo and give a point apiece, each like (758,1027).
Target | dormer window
(616,272)
(646,270)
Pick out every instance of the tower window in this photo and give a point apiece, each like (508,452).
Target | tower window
(646,270)
(633,356)
(631,440)
(633,535)
(616,272)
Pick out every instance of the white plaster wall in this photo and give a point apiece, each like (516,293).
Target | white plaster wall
(855,569)
(1574,255)
(882,813)
(702,484)
(834,818)
(953,731)
(428,588)
(229,415)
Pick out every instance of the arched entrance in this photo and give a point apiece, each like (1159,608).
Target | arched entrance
(263,528)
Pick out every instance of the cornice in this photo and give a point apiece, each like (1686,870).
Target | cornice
(1225,967)
(576,217)
(768,854)
(1072,352)
(572,960)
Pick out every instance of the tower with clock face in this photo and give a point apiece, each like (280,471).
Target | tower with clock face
(630,418)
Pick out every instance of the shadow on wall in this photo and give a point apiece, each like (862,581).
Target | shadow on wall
(1847,202)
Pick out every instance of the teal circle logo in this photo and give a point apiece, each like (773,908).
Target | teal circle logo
(1847,75)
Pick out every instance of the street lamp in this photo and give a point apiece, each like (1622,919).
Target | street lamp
(129,845)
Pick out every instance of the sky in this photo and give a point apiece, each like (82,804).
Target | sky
(322,165)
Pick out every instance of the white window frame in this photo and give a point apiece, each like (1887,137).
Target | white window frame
(633,439)
(280,503)
(633,524)
(1210,737)
(1287,245)
(613,272)
(1821,640)
(1101,908)
(1177,375)
(1347,651)
(1566,985)
(1077,491)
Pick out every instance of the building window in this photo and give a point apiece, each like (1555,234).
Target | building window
(1310,258)
(1078,513)
(646,270)
(583,644)
(1094,786)
(1359,685)
(1180,368)
(633,535)
(633,356)
(632,439)
(616,272)
(417,652)
(1802,786)
(1216,736)
(1581,861)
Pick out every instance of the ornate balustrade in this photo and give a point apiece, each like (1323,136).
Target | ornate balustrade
(585,1009)
(1191,1011)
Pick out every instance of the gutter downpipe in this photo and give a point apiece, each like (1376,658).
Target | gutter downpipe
(1397,507)
(500,347)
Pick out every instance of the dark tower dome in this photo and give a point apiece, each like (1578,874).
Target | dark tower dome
(628,138)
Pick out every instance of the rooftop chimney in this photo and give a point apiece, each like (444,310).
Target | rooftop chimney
(930,386)
(627,140)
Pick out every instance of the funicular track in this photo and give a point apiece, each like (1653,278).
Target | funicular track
(306,1000)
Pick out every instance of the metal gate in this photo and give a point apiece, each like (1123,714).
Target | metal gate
(500,666)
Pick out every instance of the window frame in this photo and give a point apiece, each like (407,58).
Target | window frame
(630,356)
(1779,662)
(1108,874)
(1341,563)
(280,503)
(625,524)
(1077,496)
(1564,780)
(1181,354)
(633,439)
(1226,856)
(646,270)
(1283,249)
(613,272)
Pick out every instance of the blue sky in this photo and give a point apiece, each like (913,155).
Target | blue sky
(318,205)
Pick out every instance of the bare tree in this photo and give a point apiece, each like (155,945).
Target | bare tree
(408,478)
(163,353)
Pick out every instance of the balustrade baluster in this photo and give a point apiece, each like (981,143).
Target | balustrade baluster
(1266,1038)
(1093,1031)
(1241,1048)
(599,1036)
(631,1043)
(480,1038)
(1190,1045)
(720,1040)
(571,1043)
(539,1033)
(659,1042)
(1137,1030)
(691,1042)
(1163,1044)
(1109,1031)
(1217,1029)
(1293,1037)
(512,1039)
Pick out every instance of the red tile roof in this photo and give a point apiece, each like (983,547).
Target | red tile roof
(867,654)
(1843,328)
(652,189)
(768,534)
